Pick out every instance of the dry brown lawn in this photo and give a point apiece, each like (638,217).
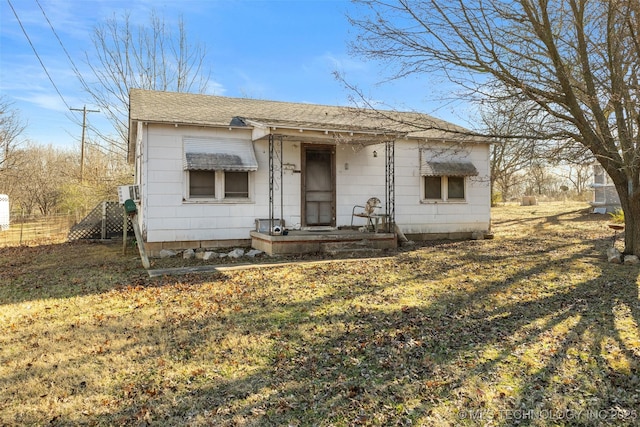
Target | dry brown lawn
(533,328)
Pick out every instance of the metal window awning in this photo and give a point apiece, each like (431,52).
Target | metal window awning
(451,168)
(211,154)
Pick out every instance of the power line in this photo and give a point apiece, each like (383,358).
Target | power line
(73,65)
(83,82)
(36,53)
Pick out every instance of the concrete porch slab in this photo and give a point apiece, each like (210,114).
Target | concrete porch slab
(309,241)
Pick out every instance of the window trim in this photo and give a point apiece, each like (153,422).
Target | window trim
(444,190)
(464,189)
(203,197)
(219,189)
(224,186)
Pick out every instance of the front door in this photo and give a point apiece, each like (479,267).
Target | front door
(318,185)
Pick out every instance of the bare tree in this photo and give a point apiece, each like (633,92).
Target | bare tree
(47,179)
(11,129)
(103,173)
(152,56)
(42,178)
(539,180)
(576,60)
(579,176)
(512,153)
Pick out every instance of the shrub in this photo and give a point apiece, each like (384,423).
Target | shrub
(617,216)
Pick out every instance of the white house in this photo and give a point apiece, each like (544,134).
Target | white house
(216,171)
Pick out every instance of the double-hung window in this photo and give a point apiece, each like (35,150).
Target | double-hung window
(218,169)
(202,184)
(445,181)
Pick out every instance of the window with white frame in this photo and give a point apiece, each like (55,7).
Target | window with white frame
(432,187)
(218,185)
(444,188)
(236,185)
(218,170)
(202,184)
(445,181)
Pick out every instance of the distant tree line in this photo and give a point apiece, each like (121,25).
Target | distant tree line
(529,166)
(44,179)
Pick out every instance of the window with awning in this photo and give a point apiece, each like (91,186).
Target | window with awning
(218,169)
(445,180)
(212,154)
(449,168)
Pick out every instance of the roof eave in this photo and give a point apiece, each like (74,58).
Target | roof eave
(198,124)
(327,129)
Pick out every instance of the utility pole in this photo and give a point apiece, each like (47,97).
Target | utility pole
(84,126)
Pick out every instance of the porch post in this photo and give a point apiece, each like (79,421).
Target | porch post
(272,181)
(271,142)
(390,183)
(281,185)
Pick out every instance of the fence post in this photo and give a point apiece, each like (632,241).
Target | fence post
(104,221)
(124,231)
(21,224)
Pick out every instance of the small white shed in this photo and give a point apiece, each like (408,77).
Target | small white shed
(605,195)
(4,212)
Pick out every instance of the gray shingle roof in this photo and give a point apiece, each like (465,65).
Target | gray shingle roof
(209,110)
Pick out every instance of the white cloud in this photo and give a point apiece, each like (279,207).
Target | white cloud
(341,63)
(46,101)
(215,88)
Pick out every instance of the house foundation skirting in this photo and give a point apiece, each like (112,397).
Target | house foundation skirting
(422,237)
(298,242)
(153,249)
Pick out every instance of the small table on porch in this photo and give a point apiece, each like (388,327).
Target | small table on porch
(377,218)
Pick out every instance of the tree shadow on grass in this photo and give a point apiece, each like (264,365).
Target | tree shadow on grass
(549,355)
(519,336)
(581,215)
(490,349)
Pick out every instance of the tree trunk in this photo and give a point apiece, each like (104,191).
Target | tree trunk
(632,229)
(631,208)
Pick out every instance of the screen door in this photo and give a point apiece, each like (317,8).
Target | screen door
(319,188)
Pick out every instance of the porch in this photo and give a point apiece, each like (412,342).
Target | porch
(329,240)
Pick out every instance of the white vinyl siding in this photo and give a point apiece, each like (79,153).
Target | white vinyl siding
(170,215)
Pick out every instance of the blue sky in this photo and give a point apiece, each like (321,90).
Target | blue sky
(268,49)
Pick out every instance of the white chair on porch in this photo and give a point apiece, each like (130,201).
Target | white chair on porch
(368,211)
